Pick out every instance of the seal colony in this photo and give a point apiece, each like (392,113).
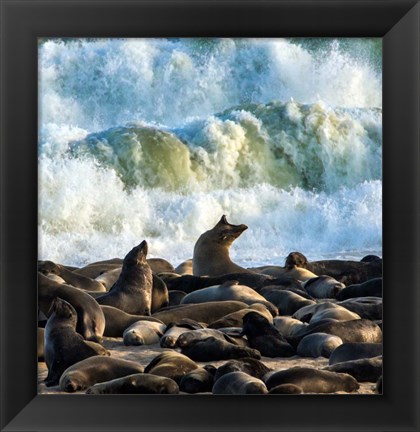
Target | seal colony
(146,326)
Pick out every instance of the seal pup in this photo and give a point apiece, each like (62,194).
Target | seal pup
(171,364)
(211,251)
(199,380)
(370,288)
(322,287)
(94,370)
(355,351)
(62,345)
(264,337)
(248,365)
(136,384)
(200,312)
(212,349)
(318,345)
(364,370)
(132,292)
(70,278)
(143,333)
(239,383)
(116,321)
(313,380)
(90,318)
(230,290)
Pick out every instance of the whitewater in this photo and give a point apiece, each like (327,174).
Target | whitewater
(156,139)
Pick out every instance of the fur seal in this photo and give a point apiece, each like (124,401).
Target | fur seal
(230,290)
(294,272)
(160,265)
(172,365)
(355,351)
(363,370)
(90,318)
(323,311)
(64,347)
(199,380)
(108,278)
(286,301)
(116,321)
(94,270)
(211,251)
(313,380)
(136,384)
(318,345)
(132,292)
(193,336)
(359,330)
(347,272)
(160,294)
(288,326)
(190,283)
(143,333)
(264,337)
(323,287)
(297,289)
(370,288)
(239,383)
(235,319)
(92,370)
(175,297)
(212,349)
(70,278)
(185,267)
(366,307)
(174,330)
(201,312)
(248,365)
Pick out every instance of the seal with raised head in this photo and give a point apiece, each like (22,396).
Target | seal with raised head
(239,383)
(211,251)
(313,380)
(94,370)
(90,318)
(230,290)
(136,384)
(201,312)
(64,347)
(264,337)
(132,292)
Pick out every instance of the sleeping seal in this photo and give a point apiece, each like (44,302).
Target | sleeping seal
(239,383)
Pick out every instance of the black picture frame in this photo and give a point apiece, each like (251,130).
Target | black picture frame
(22,22)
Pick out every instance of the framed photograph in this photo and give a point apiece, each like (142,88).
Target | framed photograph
(273,141)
